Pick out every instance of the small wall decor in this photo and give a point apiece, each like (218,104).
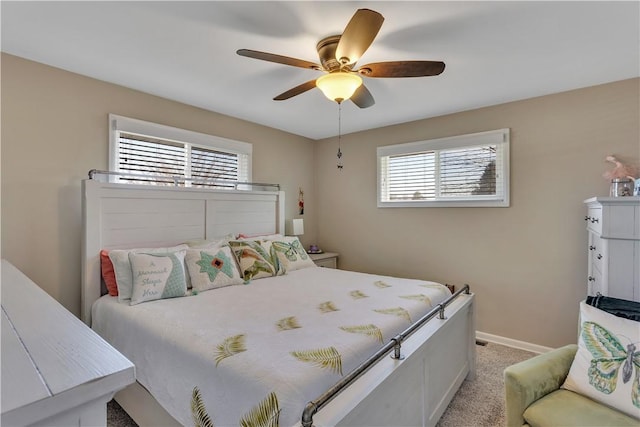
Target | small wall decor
(300,201)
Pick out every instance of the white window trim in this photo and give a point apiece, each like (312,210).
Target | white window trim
(119,124)
(500,136)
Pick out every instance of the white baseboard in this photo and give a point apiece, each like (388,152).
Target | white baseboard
(522,345)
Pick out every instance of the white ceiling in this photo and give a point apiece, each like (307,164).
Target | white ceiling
(494,52)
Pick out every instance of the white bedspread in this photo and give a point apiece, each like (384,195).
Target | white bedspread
(239,344)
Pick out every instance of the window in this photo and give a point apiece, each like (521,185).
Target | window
(467,170)
(163,155)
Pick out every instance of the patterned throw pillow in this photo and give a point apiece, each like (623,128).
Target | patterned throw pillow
(212,268)
(290,254)
(254,261)
(157,276)
(606,367)
(122,267)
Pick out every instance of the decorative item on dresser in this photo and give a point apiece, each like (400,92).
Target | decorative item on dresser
(613,224)
(325,259)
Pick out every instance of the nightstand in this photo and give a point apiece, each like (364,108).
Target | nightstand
(325,259)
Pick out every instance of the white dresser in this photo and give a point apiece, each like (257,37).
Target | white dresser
(613,224)
(55,370)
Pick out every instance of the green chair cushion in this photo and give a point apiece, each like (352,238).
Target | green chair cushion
(566,408)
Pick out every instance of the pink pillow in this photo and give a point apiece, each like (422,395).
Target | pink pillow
(108,274)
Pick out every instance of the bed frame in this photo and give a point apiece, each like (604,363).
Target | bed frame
(412,390)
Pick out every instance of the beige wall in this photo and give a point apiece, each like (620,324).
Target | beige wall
(54,130)
(527,263)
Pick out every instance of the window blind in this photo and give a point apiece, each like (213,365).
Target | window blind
(141,155)
(158,158)
(462,170)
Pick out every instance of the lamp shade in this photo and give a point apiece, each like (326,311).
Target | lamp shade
(338,86)
(297,227)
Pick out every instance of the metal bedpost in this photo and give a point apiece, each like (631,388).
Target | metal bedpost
(307,414)
(397,347)
(441,315)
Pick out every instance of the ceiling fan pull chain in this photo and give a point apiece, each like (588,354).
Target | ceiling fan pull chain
(339,154)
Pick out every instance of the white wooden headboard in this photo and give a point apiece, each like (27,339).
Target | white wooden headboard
(117,216)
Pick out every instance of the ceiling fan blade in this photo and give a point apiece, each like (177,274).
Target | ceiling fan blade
(296,90)
(402,69)
(362,97)
(271,57)
(358,35)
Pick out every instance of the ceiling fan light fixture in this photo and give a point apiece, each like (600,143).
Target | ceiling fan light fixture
(339,86)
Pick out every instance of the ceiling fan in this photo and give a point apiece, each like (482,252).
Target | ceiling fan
(338,56)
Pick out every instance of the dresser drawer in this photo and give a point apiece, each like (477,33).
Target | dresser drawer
(594,219)
(597,249)
(594,283)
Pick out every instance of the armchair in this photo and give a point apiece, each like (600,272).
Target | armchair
(534,397)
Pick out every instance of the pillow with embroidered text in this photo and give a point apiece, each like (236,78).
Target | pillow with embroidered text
(122,267)
(212,268)
(157,276)
(606,365)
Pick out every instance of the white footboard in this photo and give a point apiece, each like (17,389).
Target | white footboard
(416,390)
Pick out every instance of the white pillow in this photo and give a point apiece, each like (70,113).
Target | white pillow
(212,268)
(258,237)
(289,253)
(209,243)
(122,267)
(157,276)
(603,368)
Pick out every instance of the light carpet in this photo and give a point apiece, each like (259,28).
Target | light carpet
(478,403)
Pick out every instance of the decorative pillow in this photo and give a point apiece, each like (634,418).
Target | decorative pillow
(157,276)
(122,267)
(254,261)
(212,268)
(606,367)
(108,274)
(209,243)
(290,254)
(260,237)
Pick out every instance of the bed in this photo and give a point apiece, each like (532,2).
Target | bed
(312,346)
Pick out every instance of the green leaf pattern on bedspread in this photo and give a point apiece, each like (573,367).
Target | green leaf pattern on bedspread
(287,323)
(370,330)
(229,347)
(266,414)
(326,358)
(380,284)
(398,311)
(358,295)
(419,297)
(327,307)
(199,411)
